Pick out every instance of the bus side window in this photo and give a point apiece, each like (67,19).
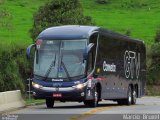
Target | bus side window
(92,54)
(90,62)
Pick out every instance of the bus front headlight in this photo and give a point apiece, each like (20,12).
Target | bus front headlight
(79,86)
(35,85)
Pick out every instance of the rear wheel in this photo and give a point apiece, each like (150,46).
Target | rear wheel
(49,103)
(128,101)
(134,96)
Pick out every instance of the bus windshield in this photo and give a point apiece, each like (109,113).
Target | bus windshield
(60,58)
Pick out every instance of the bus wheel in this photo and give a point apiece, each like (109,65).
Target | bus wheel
(86,102)
(94,102)
(134,95)
(49,102)
(128,101)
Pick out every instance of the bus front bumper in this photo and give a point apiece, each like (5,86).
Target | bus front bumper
(61,94)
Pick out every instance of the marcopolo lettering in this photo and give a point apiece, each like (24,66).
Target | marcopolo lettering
(109,67)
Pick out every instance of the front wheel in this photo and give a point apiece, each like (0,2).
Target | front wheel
(94,102)
(49,102)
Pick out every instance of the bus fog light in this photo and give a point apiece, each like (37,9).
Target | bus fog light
(82,94)
(34,93)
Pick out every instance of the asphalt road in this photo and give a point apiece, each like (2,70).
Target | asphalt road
(146,108)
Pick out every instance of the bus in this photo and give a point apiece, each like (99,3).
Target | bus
(87,64)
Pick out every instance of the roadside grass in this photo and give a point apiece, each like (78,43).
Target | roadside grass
(153,90)
(31,101)
(34,102)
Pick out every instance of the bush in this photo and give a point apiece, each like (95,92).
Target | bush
(13,72)
(154,68)
(157,37)
(59,12)
(102,1)
(133,3)
(128,32)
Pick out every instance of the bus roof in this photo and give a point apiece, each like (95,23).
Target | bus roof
(67,32)
(115,35)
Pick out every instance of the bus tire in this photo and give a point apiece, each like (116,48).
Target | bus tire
(128,101)
(94,102)
(49,102)
(134,96)
(86,102)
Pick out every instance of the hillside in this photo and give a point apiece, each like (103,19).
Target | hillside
(16,20)
(140,18)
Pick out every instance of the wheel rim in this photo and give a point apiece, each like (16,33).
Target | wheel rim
(134,96)
(96,98)
(129,97)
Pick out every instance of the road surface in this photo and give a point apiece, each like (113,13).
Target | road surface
(145,109)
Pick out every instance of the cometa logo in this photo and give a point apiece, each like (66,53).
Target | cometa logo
(109,67)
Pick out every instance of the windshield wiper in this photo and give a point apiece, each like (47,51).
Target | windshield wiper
(50,67)
(65,69)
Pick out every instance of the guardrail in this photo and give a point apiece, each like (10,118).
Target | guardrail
(11,100)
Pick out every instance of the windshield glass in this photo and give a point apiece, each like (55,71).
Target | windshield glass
(60,58)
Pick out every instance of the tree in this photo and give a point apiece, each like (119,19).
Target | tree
(154,68)
(59,12)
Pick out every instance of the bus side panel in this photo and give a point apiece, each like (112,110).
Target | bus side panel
(121,63)
(111,64)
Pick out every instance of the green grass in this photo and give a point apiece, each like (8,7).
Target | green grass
(141,18)
(34,102)
(16,20)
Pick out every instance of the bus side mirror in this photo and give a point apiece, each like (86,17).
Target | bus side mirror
(87,50)
(28,52)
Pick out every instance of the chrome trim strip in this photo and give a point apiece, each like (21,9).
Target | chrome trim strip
(54,89)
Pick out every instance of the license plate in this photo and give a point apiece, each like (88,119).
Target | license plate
(57,95)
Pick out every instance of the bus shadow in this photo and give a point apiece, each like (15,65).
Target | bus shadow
(83,106)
